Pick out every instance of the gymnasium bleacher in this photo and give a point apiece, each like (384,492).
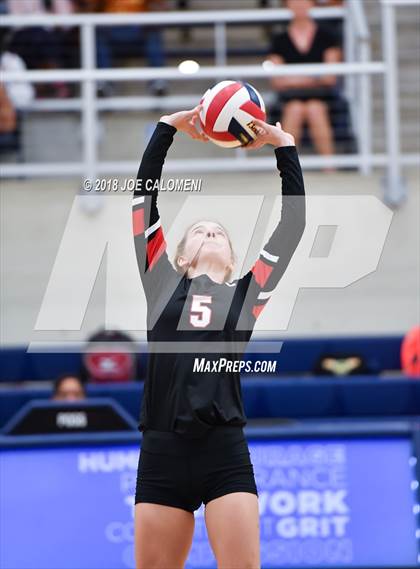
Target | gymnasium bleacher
(302,405)
(293,393)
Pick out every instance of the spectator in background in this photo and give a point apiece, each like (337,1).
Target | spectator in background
(3,12)
(110,356)
(42,47)
(68,387)
(14,97)
(328,3)
(410,353)
(127,39)
(7,116)
(21,93)
(304,100)
(333,24)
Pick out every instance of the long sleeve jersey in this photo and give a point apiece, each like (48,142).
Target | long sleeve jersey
(193,318)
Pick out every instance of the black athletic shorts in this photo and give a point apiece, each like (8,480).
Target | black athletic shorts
(184,473)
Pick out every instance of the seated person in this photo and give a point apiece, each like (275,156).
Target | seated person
(7,117)
(410,353)
(333,24)
(14,97)
(68,387)
(304,99)
(41,47)
(110,356)
(109,39)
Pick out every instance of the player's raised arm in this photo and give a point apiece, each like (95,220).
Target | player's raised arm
(278,251)
(149,240)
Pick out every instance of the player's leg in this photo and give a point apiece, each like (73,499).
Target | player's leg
(293,118)
(320,126)
(232,522)
(163,536)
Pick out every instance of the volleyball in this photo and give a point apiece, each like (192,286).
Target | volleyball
(229,108)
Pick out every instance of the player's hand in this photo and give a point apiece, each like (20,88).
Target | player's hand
(270,134)
(188,122)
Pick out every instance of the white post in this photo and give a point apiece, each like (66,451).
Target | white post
(394,190)
(351,82)
(349,49)
(220,44)
(365,137)
(89,117)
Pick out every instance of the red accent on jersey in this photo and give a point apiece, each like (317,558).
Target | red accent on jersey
(254,110)
(138,221)
(218,102)
(155,247)
(257,309)
(261,272)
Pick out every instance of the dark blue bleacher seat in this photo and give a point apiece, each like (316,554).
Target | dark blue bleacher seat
(297,356)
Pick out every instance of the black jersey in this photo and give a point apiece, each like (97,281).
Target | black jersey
(189,318)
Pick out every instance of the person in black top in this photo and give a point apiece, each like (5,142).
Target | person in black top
(304,99)
(193,448)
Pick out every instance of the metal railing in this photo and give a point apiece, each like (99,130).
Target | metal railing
(358,65)
(394,185)
(358,49)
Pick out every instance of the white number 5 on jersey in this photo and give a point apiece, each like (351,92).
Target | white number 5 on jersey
(200,314)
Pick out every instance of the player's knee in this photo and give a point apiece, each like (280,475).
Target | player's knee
(249,563)
(245,560)
(157,562)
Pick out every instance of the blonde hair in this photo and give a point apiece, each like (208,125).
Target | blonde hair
(181,247)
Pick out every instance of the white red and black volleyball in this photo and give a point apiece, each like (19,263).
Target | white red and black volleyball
(229,108)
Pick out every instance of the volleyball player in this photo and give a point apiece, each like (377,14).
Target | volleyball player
(193,449)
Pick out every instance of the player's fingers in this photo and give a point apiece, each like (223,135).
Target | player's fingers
(194,129)
(198,126)
(259,123)
(200,135)
(263,138)
(260,130)
(191,131)
(196,123)
(193,112)
(254,145)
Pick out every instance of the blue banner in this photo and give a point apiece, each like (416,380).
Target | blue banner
(323,503)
